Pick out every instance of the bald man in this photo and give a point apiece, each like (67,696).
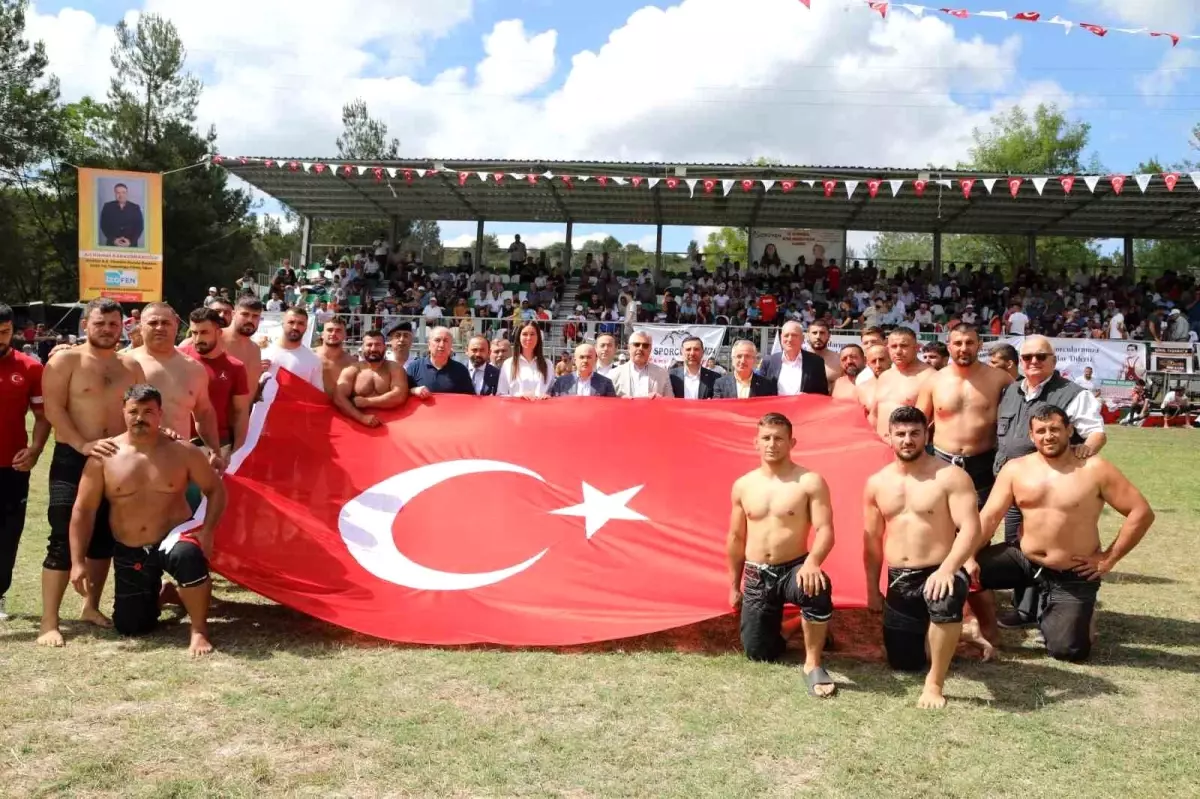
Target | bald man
(901,385)
(878,362)
(852,360)
(585,381)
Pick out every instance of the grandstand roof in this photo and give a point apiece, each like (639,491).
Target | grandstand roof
(1154,213)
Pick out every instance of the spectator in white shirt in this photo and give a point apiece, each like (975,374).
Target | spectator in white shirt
(433,311)
(1086,381)
(291,354)
(1017,321)
(1116,322)
(527,374)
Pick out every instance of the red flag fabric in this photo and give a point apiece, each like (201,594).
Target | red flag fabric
(1096,29)
(919,187)
(829,186)
(873,187)
(967,185)
(1174,37)
(1028,16)
(1014,185)
(805,4)
(1118,183)
(881,7)
(1068,183)
(959,13)
(466,519)
(1171,179)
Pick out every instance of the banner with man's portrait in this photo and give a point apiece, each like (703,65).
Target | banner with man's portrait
(120,235)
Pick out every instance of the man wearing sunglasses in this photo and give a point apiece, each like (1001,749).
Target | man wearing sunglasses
(1042,384)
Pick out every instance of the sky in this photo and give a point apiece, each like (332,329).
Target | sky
(684,81)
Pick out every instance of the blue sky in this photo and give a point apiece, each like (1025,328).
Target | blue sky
(727,79)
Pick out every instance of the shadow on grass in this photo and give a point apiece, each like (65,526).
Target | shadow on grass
(1128,578)
(1136,641)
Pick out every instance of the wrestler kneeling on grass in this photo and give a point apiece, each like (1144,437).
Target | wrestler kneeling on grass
(929,509)
(774,507)
(145,484)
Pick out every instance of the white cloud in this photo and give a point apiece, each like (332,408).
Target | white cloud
(1172,70)
(515,64)
(1176,16)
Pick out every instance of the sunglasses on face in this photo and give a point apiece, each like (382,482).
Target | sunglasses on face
(638,345)
(1040,357)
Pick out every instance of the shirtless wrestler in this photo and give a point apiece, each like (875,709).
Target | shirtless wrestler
(374,384)
(82,389)
(878,362)
(182,382)
(239,339)
(333,355)
(773,508)
(818,341)
(928,509)
(900,385)
(962,400)
(1061,497)
(853,360)
(144,484)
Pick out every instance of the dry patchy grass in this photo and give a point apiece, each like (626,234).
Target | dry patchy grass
(293,707)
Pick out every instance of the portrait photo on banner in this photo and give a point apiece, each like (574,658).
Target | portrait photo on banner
(121,210)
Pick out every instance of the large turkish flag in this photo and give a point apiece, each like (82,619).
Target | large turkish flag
(467,519)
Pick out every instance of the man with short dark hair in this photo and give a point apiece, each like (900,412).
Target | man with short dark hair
(936,354)
(374,384)
(853,361)
(20,394)
(1060,494)
(239,342)
(692,380)
(928,510)
(291,354)
(818,342)
(143,484)
(228,387)
(774,509)
(484,376)
(400,340)
(901,384)
(121,221)
(1004,357)
(332,353)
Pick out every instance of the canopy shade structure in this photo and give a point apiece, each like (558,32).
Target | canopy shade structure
(1168,206)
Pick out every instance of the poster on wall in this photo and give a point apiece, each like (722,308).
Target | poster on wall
(790,244)
(270,330)
(120,235)
(1109,360)
(666,341)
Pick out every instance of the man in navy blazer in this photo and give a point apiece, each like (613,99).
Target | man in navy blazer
(594,384)
(795,371)
(701,380)
(484,376)
(743,383)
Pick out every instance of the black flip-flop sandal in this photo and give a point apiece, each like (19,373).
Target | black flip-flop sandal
(819,676)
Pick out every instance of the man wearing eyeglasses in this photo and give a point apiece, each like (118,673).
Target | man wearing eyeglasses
(639,378)
(1042,384)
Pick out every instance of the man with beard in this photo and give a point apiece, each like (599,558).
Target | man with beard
(373,384)
(291,354)
(962,400)
(932,523)
(1060,495)
(83,388)
(228,387)
(400,342)
(333,355)
(20,394)
(239,342)
(484,376)
(1004,357)
(139,491)
(775,509)
(181,381)
(818,340)
(501,352)
(224,309)
(878,362)
(900,385)
(936,354)
(853,360)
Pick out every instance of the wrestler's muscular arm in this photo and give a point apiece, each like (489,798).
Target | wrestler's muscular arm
(820,514)
(873,528)
(83,521)
(56,386)
(960,498)
(736,546)
(209,482)
(393,397)
(925,400)
(999,501)
(203,412)
(1126,499)
(342,394)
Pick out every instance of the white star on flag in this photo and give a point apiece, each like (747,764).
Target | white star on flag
(598,508)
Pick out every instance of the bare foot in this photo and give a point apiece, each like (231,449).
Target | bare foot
(51,637)
(200,646)
(972,634)
(989,651)
(169,595)
(93,616)
(931,698)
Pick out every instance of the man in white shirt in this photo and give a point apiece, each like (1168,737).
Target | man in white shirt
(291,354)
(606,353)
(1086,381)
(584,381)
(640,379)
(432,312)
(692,380)
(1017,321)
(1116,322)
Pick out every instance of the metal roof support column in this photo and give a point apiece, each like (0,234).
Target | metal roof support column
(1128,270)
(396,225)
(658,249)
(479,244)
(568,251)
(1031,251)
(305,240)
(937,254)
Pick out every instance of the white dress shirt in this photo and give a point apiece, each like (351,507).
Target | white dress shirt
(301,361)
(691,384)
(639,382)
(528,382)
(606,371)
(1083,412)
(791,375)
(477,376)
(583,386)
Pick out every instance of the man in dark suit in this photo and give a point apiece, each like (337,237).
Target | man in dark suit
(693,381)
(121,222)
(743,383)
(484,376)
(795,371)
(585,381)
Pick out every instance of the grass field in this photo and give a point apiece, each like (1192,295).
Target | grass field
(293,707)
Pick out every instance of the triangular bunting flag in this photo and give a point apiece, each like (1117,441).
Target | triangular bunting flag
(618,181)
(880,7)
(989,184)
(1171,179)
(788,185)
(335,168)
(1028,16)
(637,182)
(652,182)
(747,185)
(1040,184)
(1092,182)
(307,165)
(1068,183)
(318,168)
(1174,38)
(993,14)
(957,13)
(1143,182)
(391,170)
(1096,29)
(727,186)
(915,10)
(1195,176)
(423,172)
(851,185)
(967,184)
(767,184)
(810,183)
(919,187)
(829,186)
(896,186)
(1118,183)
(583,178)
(805,4)
(1014,185)
(691,184)
(873,187)
(1066,23)
(945,184)
(362,170)
(516,176)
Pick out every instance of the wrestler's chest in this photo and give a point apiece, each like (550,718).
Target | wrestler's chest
(176,385)
(781,502)
(105,382)
(963,397)
(920,498)
(1065,492)
(126,477)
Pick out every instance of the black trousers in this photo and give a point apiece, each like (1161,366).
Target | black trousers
(1025,599)
(14,496)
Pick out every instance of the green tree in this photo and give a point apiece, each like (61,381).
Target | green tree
(425,239)
(1155,256)
(272,244)
(364,137)
(28,96)
(728,241)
